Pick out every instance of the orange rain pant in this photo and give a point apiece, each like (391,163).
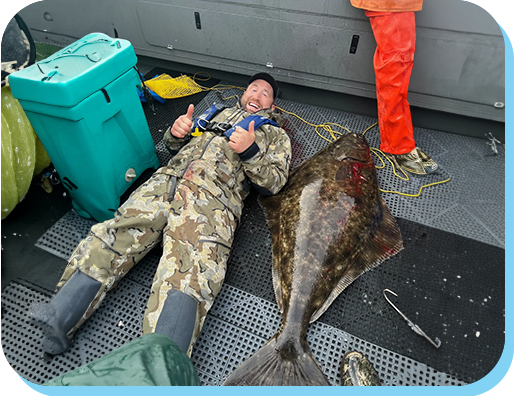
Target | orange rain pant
(393,62)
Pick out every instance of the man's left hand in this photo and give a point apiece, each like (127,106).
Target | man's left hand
(242,139)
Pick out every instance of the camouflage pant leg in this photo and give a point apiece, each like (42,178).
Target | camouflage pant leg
(196,248)
(113,247)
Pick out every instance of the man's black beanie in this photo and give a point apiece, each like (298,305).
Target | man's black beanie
(269,79)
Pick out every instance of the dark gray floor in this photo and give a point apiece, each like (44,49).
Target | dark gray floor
(460,222)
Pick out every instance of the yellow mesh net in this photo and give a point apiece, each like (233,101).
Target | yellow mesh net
(171,88)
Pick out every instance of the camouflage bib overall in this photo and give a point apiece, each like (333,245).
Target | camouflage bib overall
(193,205)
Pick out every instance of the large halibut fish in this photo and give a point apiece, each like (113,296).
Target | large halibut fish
(328,226)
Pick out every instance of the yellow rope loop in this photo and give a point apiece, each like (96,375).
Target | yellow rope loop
(369,128)
(419,191)
(201,79)
(221,87)
(325,126)
(376,152)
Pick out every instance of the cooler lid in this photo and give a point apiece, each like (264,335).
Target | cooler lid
(75,72)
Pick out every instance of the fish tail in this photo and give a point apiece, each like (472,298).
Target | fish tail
(278,365)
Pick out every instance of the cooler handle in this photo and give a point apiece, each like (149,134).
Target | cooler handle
(69,52)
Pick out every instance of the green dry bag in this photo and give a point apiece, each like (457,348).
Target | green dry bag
(151,360)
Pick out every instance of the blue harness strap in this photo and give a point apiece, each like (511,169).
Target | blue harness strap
(202,121)
(258,122)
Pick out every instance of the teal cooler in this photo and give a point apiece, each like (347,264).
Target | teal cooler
(83,103)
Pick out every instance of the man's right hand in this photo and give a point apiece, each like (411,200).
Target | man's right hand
(182,125)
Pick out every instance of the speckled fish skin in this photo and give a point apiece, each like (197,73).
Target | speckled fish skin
(328,226)
(356,370)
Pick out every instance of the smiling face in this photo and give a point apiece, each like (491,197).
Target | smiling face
(259,95)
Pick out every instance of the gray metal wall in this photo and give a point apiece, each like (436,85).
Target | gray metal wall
(459,62)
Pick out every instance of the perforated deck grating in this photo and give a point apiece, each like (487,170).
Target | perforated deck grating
(237,326)
(245,314)
(327,344)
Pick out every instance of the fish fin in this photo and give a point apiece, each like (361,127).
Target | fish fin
(272,208)
(275,365)
(384,243)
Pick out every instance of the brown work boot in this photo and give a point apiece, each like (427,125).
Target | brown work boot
(416,161)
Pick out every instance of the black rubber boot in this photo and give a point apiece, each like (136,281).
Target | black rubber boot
(64,311)
(177,319)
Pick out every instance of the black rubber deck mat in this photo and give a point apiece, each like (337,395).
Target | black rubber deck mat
(238,324)
(450,286)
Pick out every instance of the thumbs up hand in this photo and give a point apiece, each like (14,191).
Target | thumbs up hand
(182,125)
(242,139)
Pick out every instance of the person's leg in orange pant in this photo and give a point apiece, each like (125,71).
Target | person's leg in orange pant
(395,35)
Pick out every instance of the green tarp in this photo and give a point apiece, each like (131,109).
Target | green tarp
(151,360)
